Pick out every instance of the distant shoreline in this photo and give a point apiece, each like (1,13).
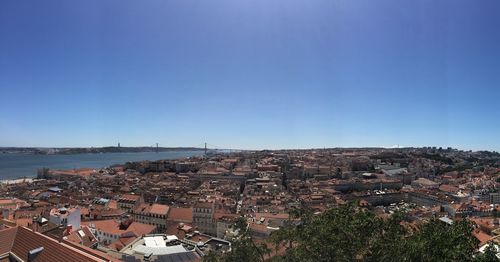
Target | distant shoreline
(23,165)
(90,150)
(18,180)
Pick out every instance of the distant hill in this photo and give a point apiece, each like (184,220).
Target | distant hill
(92,150)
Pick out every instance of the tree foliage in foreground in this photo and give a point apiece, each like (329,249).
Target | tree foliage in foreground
(243,248)
(351,234)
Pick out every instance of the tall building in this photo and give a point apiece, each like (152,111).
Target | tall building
(203,218)
(152,214)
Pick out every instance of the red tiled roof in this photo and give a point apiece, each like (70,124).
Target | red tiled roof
(174,230)
(112,226)
(178,214)
(271,216)
(227,216)
(7,236)
(153,209)
(259,228)
(113,204)
(91,251)
(87,238)
(11,201)
(21,240)
(482,237)
(111,213)
(121,242)
(159,209)
(449,188)
(130,197)
(24,222)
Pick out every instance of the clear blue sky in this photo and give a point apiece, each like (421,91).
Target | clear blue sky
(250,73)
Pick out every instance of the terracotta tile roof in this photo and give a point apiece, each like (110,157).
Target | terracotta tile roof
(24,222)
(153,209)
(113,226)
(482,237)
(7,236)
(111,213)
(94,252)
(132,198)
(174,230)
(159,209)
(12,203)
(84,211)
(449,188)
(82,236)
(271,216)
(178,214)
(225,216)
(21,240)
(113,204)
(259,228)
(73,237)
(121,242)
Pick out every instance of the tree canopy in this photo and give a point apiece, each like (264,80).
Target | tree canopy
(351,234)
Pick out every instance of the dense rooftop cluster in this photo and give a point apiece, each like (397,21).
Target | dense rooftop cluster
(186,209)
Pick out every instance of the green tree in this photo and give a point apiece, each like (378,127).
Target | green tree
(438,241)
(343,234)
(489,255)
(352,234)
(212,257)
(387,245)
(243,248)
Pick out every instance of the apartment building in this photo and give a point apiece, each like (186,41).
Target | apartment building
(152,214)
(203,217)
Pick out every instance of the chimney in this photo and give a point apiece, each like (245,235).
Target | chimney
(69,228)
(34,224)
(62,234)
(5,213)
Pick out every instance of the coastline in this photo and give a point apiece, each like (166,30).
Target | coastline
(18,181)
(14,168)
(91,150)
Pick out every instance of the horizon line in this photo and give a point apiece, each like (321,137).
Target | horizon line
(260,149)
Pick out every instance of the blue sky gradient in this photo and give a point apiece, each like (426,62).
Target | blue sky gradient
(250,74)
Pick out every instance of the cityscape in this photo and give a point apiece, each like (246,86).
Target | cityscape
(249,131)
(187,209)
